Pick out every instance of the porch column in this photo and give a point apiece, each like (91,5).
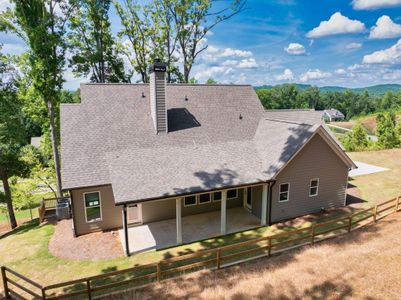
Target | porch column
(223,212)
(178,219)
(264,206)
(125,228)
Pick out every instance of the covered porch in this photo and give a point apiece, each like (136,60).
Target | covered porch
(162,234)
(195,217)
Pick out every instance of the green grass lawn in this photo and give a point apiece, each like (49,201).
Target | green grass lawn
(21,214)
(26,249)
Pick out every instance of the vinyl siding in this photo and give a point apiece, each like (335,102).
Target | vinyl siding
(111,214)
(316,160)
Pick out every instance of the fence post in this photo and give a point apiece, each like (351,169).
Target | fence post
(349,223)
(397,202)
(218,258)
(5,284)
(313,234)
(43,293)
(375,214)
(89,289)
(159,272)
(269,240)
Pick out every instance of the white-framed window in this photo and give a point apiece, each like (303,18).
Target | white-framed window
(204,198)
(284,192)
(190,200)
(93,209)
(232,194)
(314,187)
(217,196)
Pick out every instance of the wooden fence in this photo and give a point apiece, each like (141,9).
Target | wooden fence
(48,205)
(215,258)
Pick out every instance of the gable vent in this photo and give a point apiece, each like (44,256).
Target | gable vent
(158,105)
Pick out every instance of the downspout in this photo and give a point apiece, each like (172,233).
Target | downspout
(125,227)
(272,183)
(74,226)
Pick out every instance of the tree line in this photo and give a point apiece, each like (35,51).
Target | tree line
(350,103)
(78,34)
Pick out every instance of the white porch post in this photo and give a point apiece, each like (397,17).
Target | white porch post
(264,205)
(178,219)
(223,212)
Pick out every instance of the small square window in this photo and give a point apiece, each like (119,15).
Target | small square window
(217,196)
(204,198)
(284,192)
(314,187)
(232,194)
(190,200)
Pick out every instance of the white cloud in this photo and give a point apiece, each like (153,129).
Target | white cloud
(337,24)
(4,4)
(295,49)
(229,62)
(353,46)
(287,75)
(385,28)
(247,63)
(235,52)
(390,55)
(315,74)
(13,49)
(374,4)
(340,71)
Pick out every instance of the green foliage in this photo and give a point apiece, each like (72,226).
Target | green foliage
(211,81)
(92,44)
(357,139)
(387,131)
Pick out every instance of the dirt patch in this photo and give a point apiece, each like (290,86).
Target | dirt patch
(93,246)
(362,265)
(5,226)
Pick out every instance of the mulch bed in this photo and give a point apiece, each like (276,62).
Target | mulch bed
(94,246)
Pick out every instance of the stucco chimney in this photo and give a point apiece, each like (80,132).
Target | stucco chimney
(158,105)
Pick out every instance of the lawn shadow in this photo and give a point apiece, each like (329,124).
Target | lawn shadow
(23,228)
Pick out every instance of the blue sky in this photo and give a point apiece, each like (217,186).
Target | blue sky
(350,43)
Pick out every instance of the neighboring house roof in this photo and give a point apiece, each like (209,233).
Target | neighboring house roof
(334,113)
(35,141)
(219,137)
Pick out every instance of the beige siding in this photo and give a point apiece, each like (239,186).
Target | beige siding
(165,209)
(316,160)
(111,214)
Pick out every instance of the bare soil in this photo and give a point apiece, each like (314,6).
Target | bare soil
(94,246)
(364,264)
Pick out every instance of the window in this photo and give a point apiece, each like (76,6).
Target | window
(93,210)
(314,187)
(204,198)
(284,193)
(217,196)
(190,200)
(232,194)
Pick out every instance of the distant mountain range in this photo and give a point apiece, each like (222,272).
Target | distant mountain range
(373,90)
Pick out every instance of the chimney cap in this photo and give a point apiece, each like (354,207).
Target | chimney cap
(157,66)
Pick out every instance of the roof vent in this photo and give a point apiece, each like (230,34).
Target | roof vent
(240,116)
(186,98)
(143,95)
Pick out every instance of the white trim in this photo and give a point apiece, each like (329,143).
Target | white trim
(236,193)
(346,189)
(288,192)
(199,200)
(246,205)
(100,206)
(317,187)
(221,196)
(196,200)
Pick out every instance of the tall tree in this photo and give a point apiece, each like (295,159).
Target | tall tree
(92,44)
(193,19)
(12,136)
(41,23)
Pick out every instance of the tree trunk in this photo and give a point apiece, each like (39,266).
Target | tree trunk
(7,192)
(54,141)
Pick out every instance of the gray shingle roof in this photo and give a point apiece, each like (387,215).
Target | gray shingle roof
(109,139)
(303,116)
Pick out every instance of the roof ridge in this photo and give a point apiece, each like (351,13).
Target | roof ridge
(290,109)
(288,122)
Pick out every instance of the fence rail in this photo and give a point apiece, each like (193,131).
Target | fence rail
(210,258)
(48,204)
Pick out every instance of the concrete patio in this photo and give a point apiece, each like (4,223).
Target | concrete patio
(162,234)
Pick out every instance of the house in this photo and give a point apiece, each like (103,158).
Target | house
(332,115)
(146,156)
